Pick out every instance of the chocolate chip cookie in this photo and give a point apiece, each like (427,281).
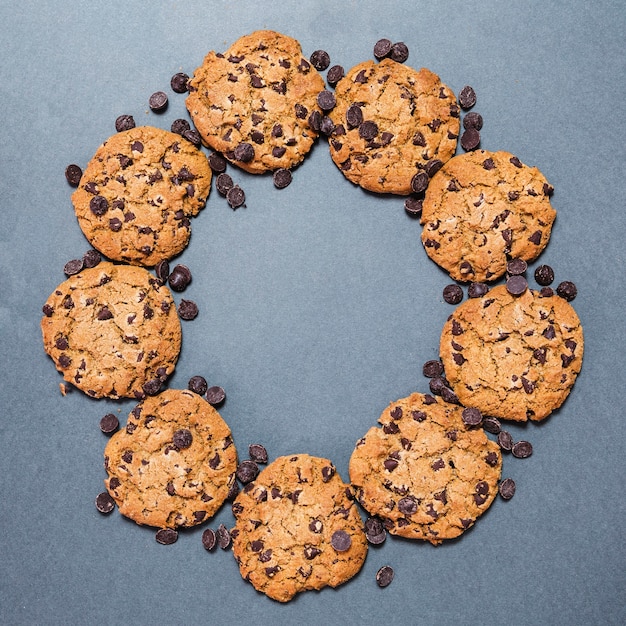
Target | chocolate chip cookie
(173,464)
(424,471)
(138,193)
(297,528)
(482,208)
(112,331)
(253,102)
(512,357)
(392,126)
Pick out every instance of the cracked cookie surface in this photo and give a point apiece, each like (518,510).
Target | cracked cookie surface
(482,208)
(390,122)
(111,329)
(512,357)
(297,528)
(253,102)
(423,471)
(173,464)
(138,193)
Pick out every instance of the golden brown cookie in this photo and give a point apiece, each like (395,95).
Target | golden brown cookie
(512,357)
(138,193)
(173,464)
(424,472)
(480,209)
(253,102)
(297,528)
(392,123)
(112,331)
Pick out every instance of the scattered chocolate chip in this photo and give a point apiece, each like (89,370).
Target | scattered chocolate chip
(179,126)
(334,75)
(472,416)
(73,174)
(341,541)
(327,126)
(124,122)
(158,101)
(452,294)
(382,48)
(320,60)
(470,139)
(188,310)
(152,387)
(505,440)
(193,136)
(384,576)
(419,182)
(516,266)
(182,438)
(507,488)
(437,384)
(477,290)
(433,166)
(375,532)
(247,471)
(567,290)
(492,425)
(544,275)
(473,120)
(73,267)
(198,385)
(522,449)
(104,502)
(399,52)
(257,453)
(546,292)
(467,97)
(516,285)
(179,81)
(109,424)
(91,258)
(209,539)
(162,271)
(217,162)
(224,183)
(413,206)
(281,178)
(244,152)
(215,395)
(166,536)
(180,278)
(432,368)
(326,100)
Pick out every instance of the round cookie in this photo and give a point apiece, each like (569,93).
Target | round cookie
(512,357)
(297,528)
(112,331)
(173,464)
(253,102)
(424,472)
(482,208)
(138,193)
(391,121)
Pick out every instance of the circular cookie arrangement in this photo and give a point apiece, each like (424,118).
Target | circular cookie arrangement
(430,470)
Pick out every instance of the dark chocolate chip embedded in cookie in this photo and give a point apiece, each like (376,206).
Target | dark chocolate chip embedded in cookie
(425,472)
(297,528)
(112,331)
(390,121)
(514,357)
(253,102)
(138,193)
(483,208)
(173,464)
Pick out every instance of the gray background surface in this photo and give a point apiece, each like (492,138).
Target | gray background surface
(318,307)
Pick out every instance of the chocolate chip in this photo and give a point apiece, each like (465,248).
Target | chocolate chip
(104,502)
(437,384)
(209,539)
(215,395)
(399,52)
(235,197)
(567,290)
(73,267)
(505,440)
(477,290)
(354,116)
(223,537)
(327,126)
(73,174)
(223,183)
(244,152)
(413,206)
(162,271)
(516,285)
(188,310)
(320,60)
(470,139)
(507,488)
(492,425)
(384,576)
(544,275)
(104,314)
(198,385)
(109,424)
(516,266)
(257,453)
(152,387)
(522,449)
(217,162)
(124,122)
(334,75)
(182,438)
(193,136)
(473,120)
(432,368)
(326,100)
(419,182)
(382,48)
(368,130)
(99,205)
(281,178)
(179,126)
(247,471)
(91,258)
(166,536)
(179,81)
(452,294)
(472,416)
(467,97)
(433,166)
(341,541)
(180,278)
(158,101)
